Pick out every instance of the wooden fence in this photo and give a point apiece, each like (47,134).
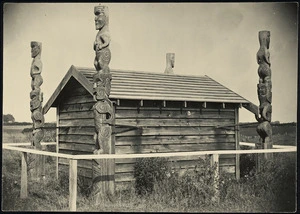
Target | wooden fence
(73,161)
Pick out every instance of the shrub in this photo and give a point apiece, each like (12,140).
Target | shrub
(147,171)
(194,188)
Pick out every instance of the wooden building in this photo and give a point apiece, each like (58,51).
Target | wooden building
(154,112)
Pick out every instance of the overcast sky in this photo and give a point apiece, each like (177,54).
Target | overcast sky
(215,39)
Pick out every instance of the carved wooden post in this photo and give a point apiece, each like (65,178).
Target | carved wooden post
(103,170)
(170,60)
(37,116)
(264,91)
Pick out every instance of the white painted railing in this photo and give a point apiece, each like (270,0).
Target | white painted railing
(73,161)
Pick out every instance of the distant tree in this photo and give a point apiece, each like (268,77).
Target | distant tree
(8,118)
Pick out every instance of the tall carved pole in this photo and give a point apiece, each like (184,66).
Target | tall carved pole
(103,170)
(36,97)
(264,91)
(170,61)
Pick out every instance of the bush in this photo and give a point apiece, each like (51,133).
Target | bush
(147,171)
(194,188)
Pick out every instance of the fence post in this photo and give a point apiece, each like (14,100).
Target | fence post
(24,180)
(215,160)
(72,184)
(57,139)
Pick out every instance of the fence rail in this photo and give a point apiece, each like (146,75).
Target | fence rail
(73,161)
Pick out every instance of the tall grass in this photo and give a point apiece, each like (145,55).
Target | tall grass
(159,188)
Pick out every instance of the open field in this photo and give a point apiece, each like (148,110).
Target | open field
(272,190)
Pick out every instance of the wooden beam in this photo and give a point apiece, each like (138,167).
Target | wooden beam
(29,144)
(148,155)
(215,160)
(38,152)
(164,103)
(24,177)
(73,72)
(185,104)
(57,139)
(237,145)
(180,154)
(251,107)
(72,185)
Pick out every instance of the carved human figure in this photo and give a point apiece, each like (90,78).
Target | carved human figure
(36,96)
(37,117)
(102,85)
(170,61)
(264,91)
(36,65)
(101,44)
(263,57)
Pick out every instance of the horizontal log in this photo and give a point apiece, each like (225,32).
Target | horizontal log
(77,131)
(185,122)
(87,148)
(171,114)
(76,107)
(77,122)
(83,139)
(173,148)
(76,115)
(177,131)
(168,140)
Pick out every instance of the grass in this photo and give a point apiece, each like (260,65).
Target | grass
(271,190)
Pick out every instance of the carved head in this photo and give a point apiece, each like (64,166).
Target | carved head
(36,48)
(171,59)
(101,16)
(102,84)
(264,38)
(36,99)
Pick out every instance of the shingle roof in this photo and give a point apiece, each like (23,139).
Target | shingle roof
(153,86)
(156,86)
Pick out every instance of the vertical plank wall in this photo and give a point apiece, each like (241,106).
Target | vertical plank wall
(174,129)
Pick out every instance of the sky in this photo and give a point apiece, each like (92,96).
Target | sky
(215,39)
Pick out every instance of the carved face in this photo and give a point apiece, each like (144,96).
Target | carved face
(99,92)
(264,38)
(100,17)
(35,49)
(261,89)
(35,101)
